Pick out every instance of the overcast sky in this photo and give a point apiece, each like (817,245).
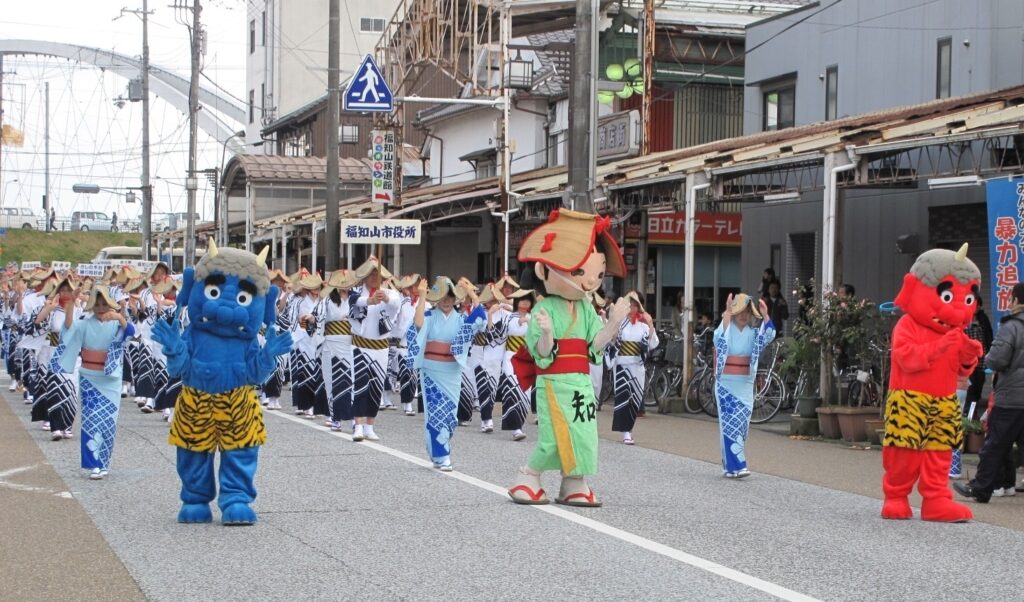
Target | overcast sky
(91,140)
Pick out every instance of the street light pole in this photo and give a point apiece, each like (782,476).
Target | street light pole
(46,144)
(223,192)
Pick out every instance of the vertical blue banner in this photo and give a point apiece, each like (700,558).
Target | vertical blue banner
(1005,200)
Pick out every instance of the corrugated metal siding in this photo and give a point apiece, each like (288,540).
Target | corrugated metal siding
(663,113)
(706,113)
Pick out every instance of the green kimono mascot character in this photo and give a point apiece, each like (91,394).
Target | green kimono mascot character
(573,253)
(220,362)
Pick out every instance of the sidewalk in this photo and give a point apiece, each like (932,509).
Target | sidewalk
(52,549)
(833,464)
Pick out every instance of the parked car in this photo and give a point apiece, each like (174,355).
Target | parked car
(175,257)
(20,217)
(92,220)
(165,222)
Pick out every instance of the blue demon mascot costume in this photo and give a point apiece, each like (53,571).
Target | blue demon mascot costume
(220,362)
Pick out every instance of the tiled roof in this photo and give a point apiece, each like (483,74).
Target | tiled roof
(302,169)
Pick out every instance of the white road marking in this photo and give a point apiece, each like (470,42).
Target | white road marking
(18,486)
(652,546)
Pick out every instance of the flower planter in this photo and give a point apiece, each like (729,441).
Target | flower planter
(973,442)
(807,406)
(852,422)
(828,422)
(875,428)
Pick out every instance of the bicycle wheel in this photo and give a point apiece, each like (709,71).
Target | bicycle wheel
(691,400)
(663,381)
(706,394)
(652,373)
(769,395)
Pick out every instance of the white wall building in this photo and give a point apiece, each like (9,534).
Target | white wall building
(286,47)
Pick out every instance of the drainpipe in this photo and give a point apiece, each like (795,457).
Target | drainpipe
(828,264)
(440,169)
(830,209)
(506,218)
(694,183)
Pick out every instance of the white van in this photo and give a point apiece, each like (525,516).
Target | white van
(20,217)
(135,253)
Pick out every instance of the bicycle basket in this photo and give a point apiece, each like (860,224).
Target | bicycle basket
(674,351)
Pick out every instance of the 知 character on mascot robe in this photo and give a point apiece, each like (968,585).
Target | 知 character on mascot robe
(220,362)
(922,414)
(573,253)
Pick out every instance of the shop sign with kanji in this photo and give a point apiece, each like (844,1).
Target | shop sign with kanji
(1005,200)
(380,231)
(710,228)
(383,170)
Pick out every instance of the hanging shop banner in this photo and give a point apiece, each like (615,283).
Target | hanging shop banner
(380,231)
(711,228)
(1005,200)
(383,171)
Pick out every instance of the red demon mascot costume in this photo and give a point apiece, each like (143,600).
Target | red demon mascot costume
(922,414)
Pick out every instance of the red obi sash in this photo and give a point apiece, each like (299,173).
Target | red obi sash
(572,356)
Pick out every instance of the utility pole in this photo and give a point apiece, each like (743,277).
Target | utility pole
(648,62)
(191,182)
(147,189)
(46,170)
(581,104)
(332,249)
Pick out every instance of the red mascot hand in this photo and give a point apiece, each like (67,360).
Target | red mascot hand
(970,352)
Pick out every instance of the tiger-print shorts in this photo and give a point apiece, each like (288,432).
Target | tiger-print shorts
(917,420)
(206,422)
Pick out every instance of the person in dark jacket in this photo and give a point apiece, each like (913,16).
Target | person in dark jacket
(1006,420)
(980,330)
(778,310)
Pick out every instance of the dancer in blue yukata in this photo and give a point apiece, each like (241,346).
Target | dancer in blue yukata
(439,342)
(738,345)
(99,339)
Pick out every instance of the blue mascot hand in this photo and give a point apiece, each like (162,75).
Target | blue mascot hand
(169,336)
(278,343)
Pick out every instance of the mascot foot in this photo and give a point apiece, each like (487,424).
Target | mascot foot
(943,510)
(527,489)
(195,513)
(575,492)
(238,515)
(897,509)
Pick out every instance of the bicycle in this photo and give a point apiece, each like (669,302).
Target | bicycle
(769,388)
(668,378)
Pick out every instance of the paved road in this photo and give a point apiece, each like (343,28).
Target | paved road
(340,520)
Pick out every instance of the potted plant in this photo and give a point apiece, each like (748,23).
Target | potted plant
(974,436)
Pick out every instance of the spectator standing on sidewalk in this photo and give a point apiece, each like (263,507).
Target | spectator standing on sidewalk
(767,277)
(980,330)
(778,309)
(1006,419)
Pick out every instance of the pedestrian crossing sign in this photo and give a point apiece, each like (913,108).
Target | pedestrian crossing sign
(367,91)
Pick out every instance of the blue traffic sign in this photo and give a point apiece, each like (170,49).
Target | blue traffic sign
(367,90)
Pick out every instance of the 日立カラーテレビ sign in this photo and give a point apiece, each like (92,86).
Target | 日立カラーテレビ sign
(710,228)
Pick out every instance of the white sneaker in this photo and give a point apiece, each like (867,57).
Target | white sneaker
(96,474)
(299,412)
(518,435)
(67,434)
(167,414)
(357,433)
(371,435)
(997,492)
(308,414)
(46,426)
(277,404)
(14,386)
(1009,492)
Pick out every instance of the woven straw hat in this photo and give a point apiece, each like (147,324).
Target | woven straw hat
(443,286)
(409,281)
(369,266)
(567,239)
(339,280)
(101,291)
(741,302)
(492,293)
(311,282)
